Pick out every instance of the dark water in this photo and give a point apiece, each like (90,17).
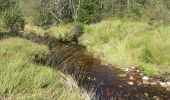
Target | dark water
(107,81)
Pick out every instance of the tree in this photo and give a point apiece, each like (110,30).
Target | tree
(89,11)
(11,15)
(42,17)
(4,4)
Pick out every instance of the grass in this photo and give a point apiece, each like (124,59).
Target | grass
(125,43)
(57,31)
(22,79)
(119,42)
(34,29)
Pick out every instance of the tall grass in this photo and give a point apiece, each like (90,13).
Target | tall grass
(22,79)
(125,43)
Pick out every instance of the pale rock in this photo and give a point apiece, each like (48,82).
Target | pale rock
(168,83)
(163,84)
(130,83)
(145,78)
(137,71)
(131,78)
(141,74)
(127,69)
(153,83)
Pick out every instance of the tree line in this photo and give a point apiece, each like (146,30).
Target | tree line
(49,12)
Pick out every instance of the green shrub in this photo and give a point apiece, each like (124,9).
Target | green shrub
(167,3)
(42,17)
(134,10)
(158,12)
(78,29)
(74,33)
(14,20)
(89,11)
(4,4)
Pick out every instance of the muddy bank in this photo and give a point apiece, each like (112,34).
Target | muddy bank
(108,82)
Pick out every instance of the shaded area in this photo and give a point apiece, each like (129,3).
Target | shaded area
(4,35)
(46,39)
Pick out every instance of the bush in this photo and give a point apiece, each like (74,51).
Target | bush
(74,33)
(4,4)
(14,20)
(78,29)
(158,13)
(134,10)
(42,17)
(89,11)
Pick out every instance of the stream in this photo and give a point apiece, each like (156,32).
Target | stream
(107,81)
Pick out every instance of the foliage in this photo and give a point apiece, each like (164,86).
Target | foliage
(74,33)
(54,12)
(158,12)
(89,11)
(42,16)
(78,29)
(13,19)
(5,4)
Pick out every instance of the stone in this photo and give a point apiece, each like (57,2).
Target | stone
(145,78)
(130,83)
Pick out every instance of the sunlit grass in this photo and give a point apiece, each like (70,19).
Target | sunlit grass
(60,30)
(124,43)
(29,28)
(20,78)
(56,31)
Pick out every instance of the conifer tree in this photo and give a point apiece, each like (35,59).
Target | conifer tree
(89,11)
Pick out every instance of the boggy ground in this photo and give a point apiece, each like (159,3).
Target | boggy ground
(107,81)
